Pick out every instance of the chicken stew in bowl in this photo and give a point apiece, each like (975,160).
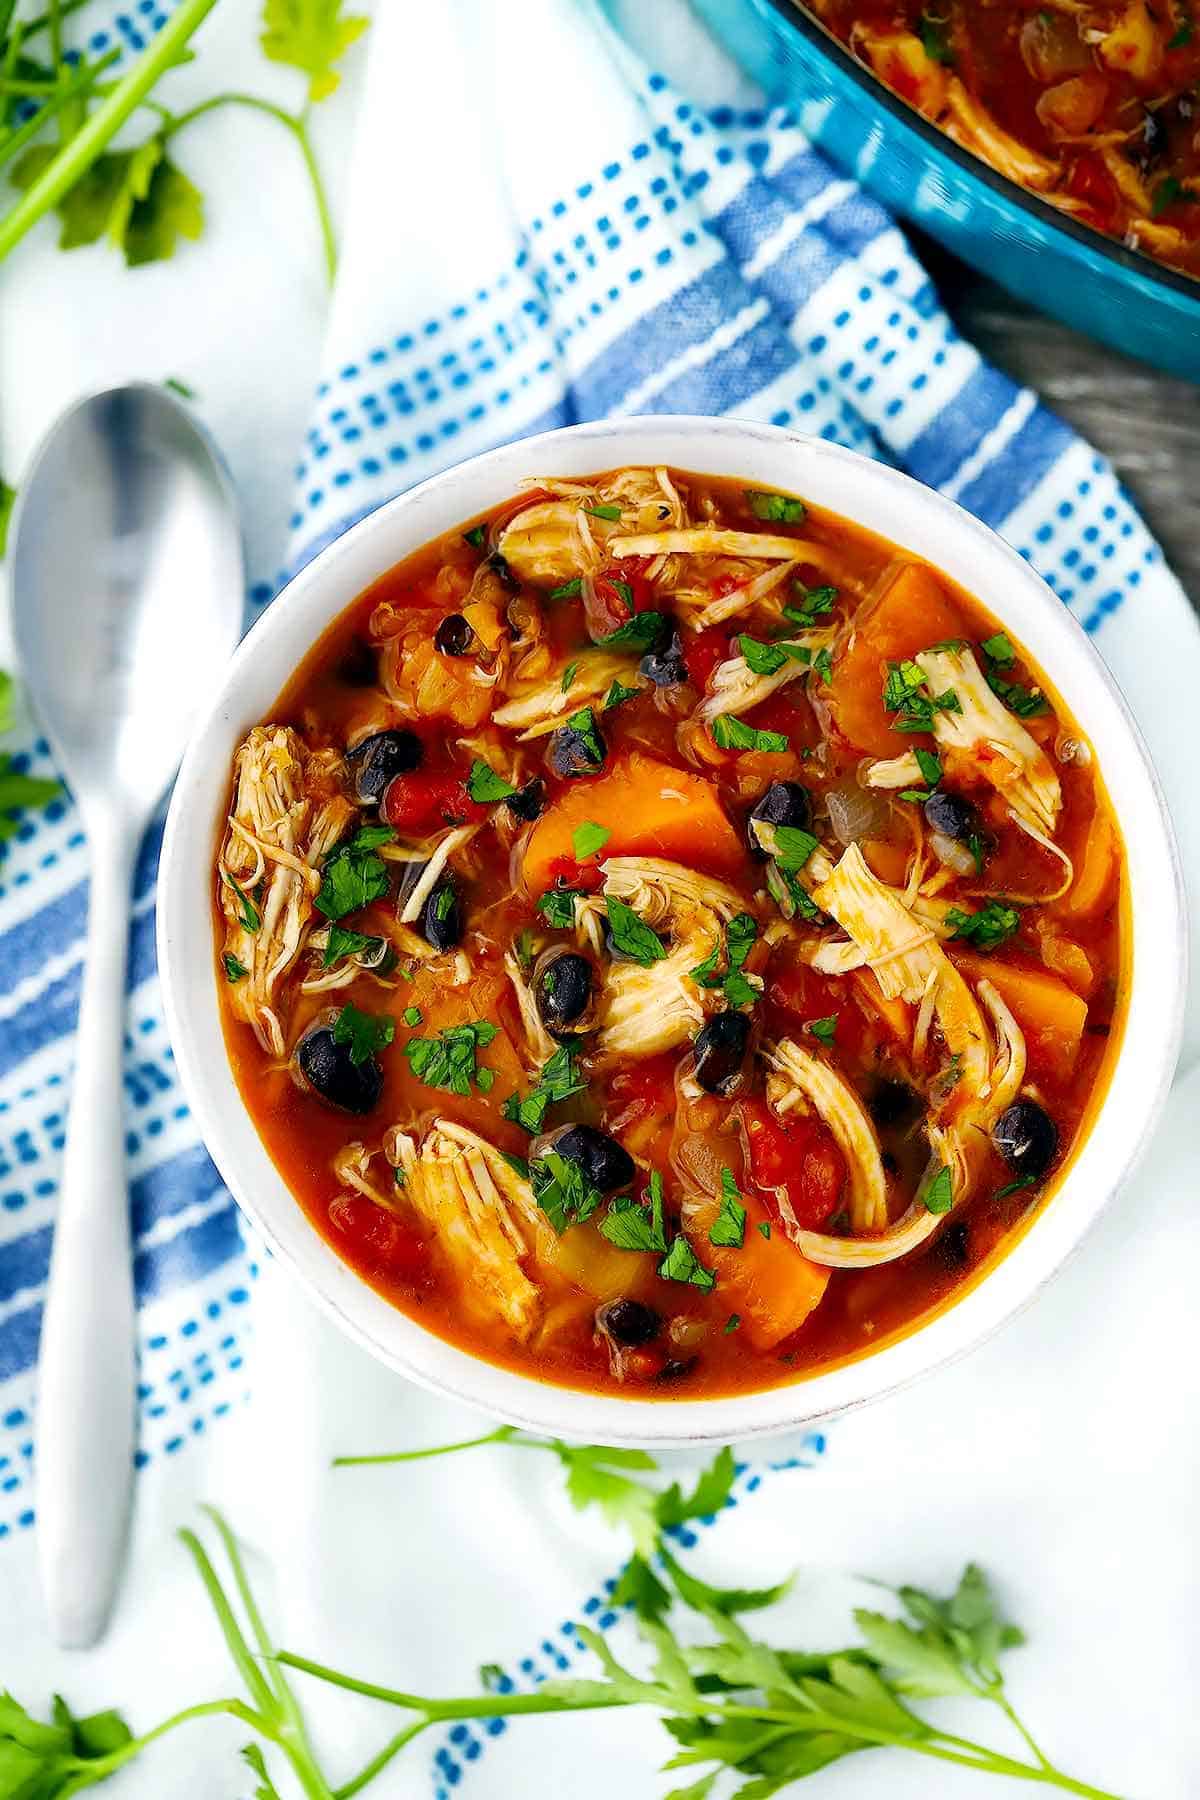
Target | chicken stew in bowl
(671,940)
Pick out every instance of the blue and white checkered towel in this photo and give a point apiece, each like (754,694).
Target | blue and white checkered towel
(540,228)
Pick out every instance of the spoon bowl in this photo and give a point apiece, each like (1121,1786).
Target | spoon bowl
(127,592)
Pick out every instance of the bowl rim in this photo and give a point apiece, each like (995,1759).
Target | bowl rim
(287,630)
(1087,237)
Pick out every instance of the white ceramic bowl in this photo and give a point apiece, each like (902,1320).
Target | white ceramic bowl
(897,508)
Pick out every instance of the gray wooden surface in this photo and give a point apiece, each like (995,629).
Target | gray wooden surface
(1147,423)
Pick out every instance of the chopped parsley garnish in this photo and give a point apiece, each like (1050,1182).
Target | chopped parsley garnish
(999,654)
(604,512)
(632,936)
(906,695)
(682,1264)
(730,733)
(934,39)
(631,1226)
(443,906)
(642,632)
(250,916)
(570,590)
(792,846)
(993,924)
(740,934)
(447,1061)
(412,1015)
(517,1164)
(558,1080)
(353,874)
(728,1229)
(1182,35)
(792,900)
(929,765)
(484,785)
(775,509)
(823,666)
(344,942)
(562,1190)
(732,1323)
(824,1030)
(557,907)
(587,838)
(763,1228)
(768,659)
(623,591)
(475,536)
(939,1195)
(569,674)
(1166,193)
(364,1032)
(234,970)
(523,947)
(812,604)
(618,693)
(1015,1187)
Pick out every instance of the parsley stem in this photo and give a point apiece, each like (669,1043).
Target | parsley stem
(380,1761)
(43,21)
(207,1709)
(502,1435)
(77,156)
(469,1706)
(297,124)
(67,91)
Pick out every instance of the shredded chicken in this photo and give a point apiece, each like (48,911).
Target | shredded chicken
(713,540)
(288,813)
(657,889)
(735,688)
(994,738)
(644,1011)
(542,708)
(802,1081)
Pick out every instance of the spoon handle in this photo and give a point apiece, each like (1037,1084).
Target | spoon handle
(85,1406)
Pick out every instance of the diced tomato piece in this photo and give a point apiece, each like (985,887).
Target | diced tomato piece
(382,1240)
(620,589)
(703,652)
(565,872)
(798,1155)
(420,803)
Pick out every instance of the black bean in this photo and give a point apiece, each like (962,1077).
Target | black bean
(721,1051)
(563,991)
(953,1246)
(575,751)
(784,803)
(665,667)
(441,921)
(529,802)
(953,816)
(377,758)
(606,1164)
(326,1066)
(629,1323)
(454,636)
(677,1368)
(1027,1138)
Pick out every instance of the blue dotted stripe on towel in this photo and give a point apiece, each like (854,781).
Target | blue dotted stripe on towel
(463,1744)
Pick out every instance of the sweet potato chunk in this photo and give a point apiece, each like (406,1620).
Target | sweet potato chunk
(767,1282)
(1051,1014)
(913,612)
(649,809)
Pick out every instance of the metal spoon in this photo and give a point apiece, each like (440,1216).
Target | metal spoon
(127,591)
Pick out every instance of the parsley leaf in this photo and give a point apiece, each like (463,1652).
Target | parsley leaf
(682,1264)
(993,924)
(731,733)
(939,1195)
(630,1226)
(447,1061)
(559,1079)
(344,942)
(713,1488)
(642,632)
(588,838)
(823,666)
(562,1190)
(557,907)
(631,936)
(569,674)
(251,918)
(792,846)
(583,724)
(137,199)
(364,1032)
(618,694)
(824,1030)
(310,35)
(934,39)
(775,509)
(234,970)
(814,603)
(353,875)
(570,590)
(906,694)
(484,785)
(729,1226)
(768,659)
(929,765)
(412,1016)
(740,934)
(611,513)
(475,537)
